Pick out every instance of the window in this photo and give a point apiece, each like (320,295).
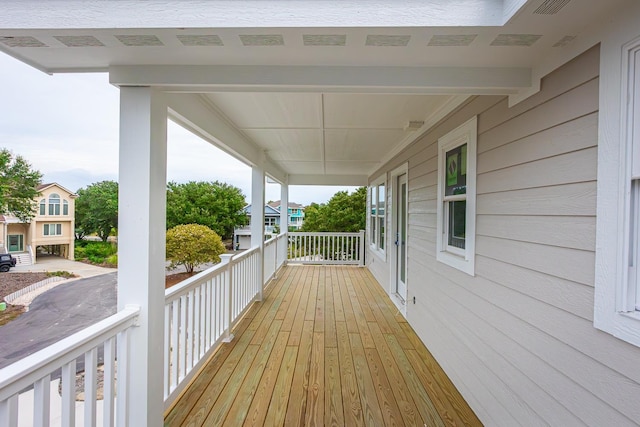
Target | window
(52,230)
(43,207)
(457,197)
(54,204)
(617,275)
(65,207)
(377,212)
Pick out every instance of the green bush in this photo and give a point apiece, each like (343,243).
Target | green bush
(95,252)
(112,260)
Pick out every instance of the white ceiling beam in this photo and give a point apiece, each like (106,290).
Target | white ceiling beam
(193,113)
(363,79)
(350,180)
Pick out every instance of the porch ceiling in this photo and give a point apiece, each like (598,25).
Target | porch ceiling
(317,92)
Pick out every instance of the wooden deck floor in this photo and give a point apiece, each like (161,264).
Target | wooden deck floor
(326,347)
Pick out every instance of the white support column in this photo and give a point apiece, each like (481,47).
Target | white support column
(284,207)
(257,218)
(141,244)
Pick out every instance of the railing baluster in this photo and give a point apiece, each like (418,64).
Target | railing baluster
(182,342)
(175,342)
(42,399)
(9,412)
(189,329)
(167,351)
(109,358)
(122,401)
(90,386)
(68,379)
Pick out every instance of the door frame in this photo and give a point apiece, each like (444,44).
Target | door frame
(20,240)
(393,268)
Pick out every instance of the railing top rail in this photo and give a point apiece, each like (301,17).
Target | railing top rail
(270,241)
(245,254)
(323,233)
(24,372)
(186,285)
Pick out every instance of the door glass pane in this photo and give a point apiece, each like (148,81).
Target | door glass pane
(381,231)
(403,232)
(457,223)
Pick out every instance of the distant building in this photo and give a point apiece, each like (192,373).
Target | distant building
(242,236)
(295,213)
(50,231)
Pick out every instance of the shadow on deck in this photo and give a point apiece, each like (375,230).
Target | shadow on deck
(326,347)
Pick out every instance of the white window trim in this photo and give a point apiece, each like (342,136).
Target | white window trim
(614,310)
(374,245)
(463,260)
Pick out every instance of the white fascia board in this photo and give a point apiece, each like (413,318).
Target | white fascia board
(349,180)
(65,14)
(379,79)
(588,38)
(193,113)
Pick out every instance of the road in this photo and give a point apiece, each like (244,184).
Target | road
(56,314)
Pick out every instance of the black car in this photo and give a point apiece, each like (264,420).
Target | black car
(6,262)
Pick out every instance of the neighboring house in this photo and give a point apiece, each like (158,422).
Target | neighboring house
(295,214)
(499,141)
(242,236)
(51,230)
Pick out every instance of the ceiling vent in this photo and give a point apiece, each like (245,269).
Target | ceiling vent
(382,40)
(551,7)
(200,40)
(324,39)
(564,41)
(79,41)
(452,40)
(24,41)
(262,40)
(140,40)
(515,40)
(414,125)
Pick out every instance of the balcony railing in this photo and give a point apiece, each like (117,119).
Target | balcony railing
(200,314)
(40,370)
(327,248)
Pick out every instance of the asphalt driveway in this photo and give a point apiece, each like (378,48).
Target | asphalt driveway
(56,314)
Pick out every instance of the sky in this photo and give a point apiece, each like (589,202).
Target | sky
(66,126)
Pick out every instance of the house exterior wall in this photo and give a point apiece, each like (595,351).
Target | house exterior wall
(517,339)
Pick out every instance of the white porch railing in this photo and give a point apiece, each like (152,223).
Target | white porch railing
(201,311)
(326,248)
(275,255)
(39,369)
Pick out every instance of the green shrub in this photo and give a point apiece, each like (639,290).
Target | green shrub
(95,252)
(112,260)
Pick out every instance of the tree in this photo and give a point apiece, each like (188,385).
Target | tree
(214,204)
(97,209)
(193,244)
(18,186)
(343,213)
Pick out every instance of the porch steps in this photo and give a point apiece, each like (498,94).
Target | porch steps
(23,258)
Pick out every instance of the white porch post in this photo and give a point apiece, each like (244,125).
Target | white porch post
(257,219)
(141,244)
(284,207)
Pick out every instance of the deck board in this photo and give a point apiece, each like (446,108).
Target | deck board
(325,347)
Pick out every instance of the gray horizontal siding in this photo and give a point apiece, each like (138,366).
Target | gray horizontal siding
(517,339)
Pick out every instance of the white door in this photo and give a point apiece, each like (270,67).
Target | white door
(401,236)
